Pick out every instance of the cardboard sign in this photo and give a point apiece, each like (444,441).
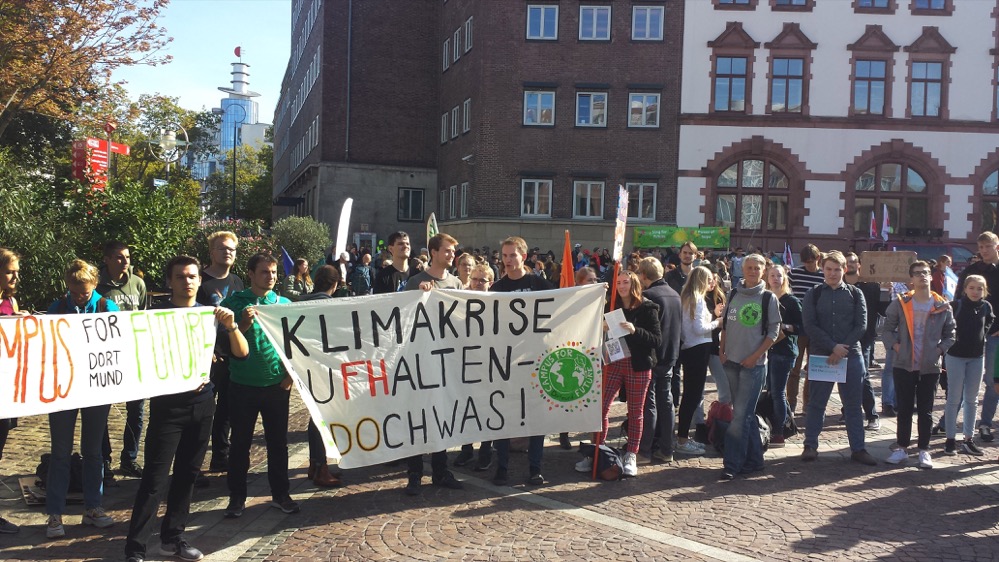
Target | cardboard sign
(886,267)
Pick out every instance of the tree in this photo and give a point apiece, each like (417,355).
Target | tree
(54,54)
(250,198)
(302,237)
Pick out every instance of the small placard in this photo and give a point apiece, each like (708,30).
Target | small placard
(819,369)
(886,267)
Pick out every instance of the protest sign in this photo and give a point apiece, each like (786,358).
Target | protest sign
(395,375)
(882,267)
(59,362)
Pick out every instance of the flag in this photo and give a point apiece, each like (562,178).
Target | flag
(885,227)
(788,255)
(567,278)
(874,225)
(342,229)
(289,264)
(432,229)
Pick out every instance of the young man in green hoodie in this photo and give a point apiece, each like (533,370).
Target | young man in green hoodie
(117,283)
(258,386)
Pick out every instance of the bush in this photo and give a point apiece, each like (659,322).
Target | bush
(302,237)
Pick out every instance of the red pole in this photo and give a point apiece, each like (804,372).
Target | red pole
(598,438)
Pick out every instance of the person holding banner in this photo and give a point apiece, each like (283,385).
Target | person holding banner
(259,387)
(10,269)
(81,298)
(920,329)
(179,428)
(518,279)
(218,282)
(437,276)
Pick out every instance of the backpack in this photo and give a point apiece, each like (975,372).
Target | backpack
(718,420)
(765,408)
(360,280)
(63,306)
(609,463)
(75,472)
(765,320)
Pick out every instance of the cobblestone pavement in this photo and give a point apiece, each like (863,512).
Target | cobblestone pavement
(832,509)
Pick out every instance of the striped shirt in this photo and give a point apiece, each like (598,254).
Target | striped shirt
(802,280)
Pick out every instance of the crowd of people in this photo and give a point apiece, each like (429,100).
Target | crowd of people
(751,322)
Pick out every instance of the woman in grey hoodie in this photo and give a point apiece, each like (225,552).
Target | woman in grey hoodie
(747,334)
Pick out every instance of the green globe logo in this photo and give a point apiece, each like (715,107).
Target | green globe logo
(566,374)
(750,314)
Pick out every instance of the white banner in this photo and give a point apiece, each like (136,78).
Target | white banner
(395,375)
(57,362)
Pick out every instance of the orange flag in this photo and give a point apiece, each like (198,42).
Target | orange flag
(568,278)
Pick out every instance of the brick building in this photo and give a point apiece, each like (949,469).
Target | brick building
(515,117)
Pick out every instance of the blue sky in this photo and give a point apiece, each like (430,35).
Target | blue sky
(205,33)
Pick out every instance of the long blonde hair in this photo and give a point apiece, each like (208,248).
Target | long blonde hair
(7,258)
(694,289)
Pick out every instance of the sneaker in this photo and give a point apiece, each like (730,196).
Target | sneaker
(889,412)
(449,482)
(413,486)
(54,529)
(130,468)
(501,478)
(484,463)
(630,465)
(863,457)
(897,456)
(181,550)
(938,428)
(135,558)
(924,460)
(563,441)
(726,476)
(97,517)
(286,504)
(220,463)
(809,454)
(985,433)
(7,528)
(535,479)
(235,508)
(691,447)
(585,465)
(659,456)
(969,448)
(950,447)
(464,457)
(777,441)
(874,424)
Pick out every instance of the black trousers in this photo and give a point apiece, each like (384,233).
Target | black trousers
(659,415)
(132,434)
(176,436)
(438,465)
(271,404)
(914,388)
(695,372)
(220,427)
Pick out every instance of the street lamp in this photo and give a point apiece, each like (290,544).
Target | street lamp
(168,147)
(235,128)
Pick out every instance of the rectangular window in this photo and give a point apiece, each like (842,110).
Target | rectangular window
(730,84)
(641,201)
(786,85)
(872,3)
(447,54)
(869,79)
(591,109)
(455,122)
(457,44)
(444,136)
(647,23)
(536,198)
(466,110)
(451,197)
(588,200)
(442,210)
(931,4)
(792,2)
(410,204)
(542,22)
(464,200)
(468,34)
(927,85)
(643,110)
(539,108)
(594,23)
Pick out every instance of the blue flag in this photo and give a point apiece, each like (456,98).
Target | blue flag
(289,264)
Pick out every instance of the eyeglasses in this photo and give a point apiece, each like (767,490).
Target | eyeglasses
(921,273)
(226,249)
(479,280)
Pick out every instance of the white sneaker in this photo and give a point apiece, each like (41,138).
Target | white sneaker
(630,464)
(585,465)
(897,456)
(924,459)
(691,447)
(97,517)
(54,529)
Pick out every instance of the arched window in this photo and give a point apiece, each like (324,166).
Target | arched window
(897,186)
(752,196)
(990,201)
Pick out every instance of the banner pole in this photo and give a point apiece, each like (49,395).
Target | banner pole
(597,439)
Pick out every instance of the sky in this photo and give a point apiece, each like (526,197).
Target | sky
(205,32)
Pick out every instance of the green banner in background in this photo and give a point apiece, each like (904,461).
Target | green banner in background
(665,236)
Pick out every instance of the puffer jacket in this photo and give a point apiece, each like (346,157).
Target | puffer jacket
(938,335)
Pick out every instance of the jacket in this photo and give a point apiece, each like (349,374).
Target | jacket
(669,323)
(938,334)
(790,314)
(644,343)
(972,322)
(833,316)
(129,294)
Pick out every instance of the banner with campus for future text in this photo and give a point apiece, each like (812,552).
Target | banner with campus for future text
(55,362)
(391,376)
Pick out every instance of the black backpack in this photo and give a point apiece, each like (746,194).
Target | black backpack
(609,463)
(75,472)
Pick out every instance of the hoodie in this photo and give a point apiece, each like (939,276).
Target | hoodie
(938,334)
(129,294)
(742,333)
(262,367)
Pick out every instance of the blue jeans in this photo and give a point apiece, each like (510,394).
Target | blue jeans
(535,453)
(887,380)
(964,378)
(721,379)
(778,370)
(62,428)
(743,447)
(850,394)
(991,399)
